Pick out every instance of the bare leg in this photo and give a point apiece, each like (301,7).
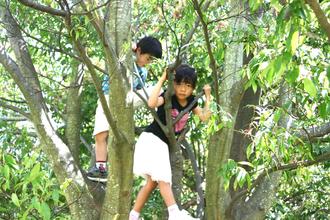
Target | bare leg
(144,193)
(167,193)
(101,146)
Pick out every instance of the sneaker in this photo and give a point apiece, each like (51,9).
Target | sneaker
(182,215)
(97,174)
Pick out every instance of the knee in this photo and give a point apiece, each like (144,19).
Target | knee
(151,185)
(163,184)
(101,137)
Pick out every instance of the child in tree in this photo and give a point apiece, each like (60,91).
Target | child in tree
(151,156)
(146,49)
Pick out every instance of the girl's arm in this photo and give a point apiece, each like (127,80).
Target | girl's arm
(154,99)
(204,113)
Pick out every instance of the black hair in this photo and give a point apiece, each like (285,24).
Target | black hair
(151,46)
(185,73)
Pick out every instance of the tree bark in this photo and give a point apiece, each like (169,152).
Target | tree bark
(264,193)
(217,199)
(73,112)
(26,77)
(117,201)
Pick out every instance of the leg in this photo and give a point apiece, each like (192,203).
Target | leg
(173,210)
(167,193)
(101,146)
(99,171)
(144,193)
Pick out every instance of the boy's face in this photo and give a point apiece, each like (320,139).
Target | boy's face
(183,90)
(142,59)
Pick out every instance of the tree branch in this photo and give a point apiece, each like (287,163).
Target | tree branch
(314,131)
(61,51)
(291,166)
(321,17)
(43,8)
(15,109)
(11,66)
(213,63)
(198,178)
(81,50)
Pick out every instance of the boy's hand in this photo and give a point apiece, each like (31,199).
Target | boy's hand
(207,91)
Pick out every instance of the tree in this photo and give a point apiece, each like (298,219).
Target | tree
(268,66)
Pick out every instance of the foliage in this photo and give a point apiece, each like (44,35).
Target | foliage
(287,46)
(303,194)
(29,189)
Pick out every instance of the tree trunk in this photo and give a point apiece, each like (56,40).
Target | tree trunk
(177,172)
(217,198)
(26,77)
(265,193)
(73,112)
(117,201)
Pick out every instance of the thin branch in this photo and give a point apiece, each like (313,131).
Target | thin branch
(170,26)
(61,51)
(186,110)
(213,63)
(314,131)
(93,9)
(291,166)
(13,101)
(12,119)
(11,66)
(82,51)
(321,17)
(15,109)
(198,179)
(229,17)
(193,29)
(43,8)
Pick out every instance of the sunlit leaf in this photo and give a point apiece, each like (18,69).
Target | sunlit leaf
(292,75)
(294,41)
(45,211)
(309,87)
(15,199)
(35,172)
(323,110)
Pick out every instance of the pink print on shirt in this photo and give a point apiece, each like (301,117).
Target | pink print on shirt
(181,123)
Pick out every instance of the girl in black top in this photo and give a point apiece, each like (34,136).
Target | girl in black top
(151,156)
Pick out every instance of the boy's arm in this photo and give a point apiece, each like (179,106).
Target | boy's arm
(154,99)
(204,113)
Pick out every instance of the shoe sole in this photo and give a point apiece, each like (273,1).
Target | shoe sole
(96,179)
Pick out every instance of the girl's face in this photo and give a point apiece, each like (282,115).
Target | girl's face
(183,90)
(142,59)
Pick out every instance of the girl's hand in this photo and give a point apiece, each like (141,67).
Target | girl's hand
(163,78)
(207,91)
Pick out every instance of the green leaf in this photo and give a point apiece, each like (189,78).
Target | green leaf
(294,41)
(9,160)
(292,76)
(277,115)
(254,4)
(45,211)
(309,87)
(6,172)
(240,179)
(254,86)
(15,200)
(323,110)
(245,163)
(55,196)
(328,73)
(35,172)
(249,151)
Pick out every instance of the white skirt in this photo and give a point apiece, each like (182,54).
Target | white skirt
(151,158)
